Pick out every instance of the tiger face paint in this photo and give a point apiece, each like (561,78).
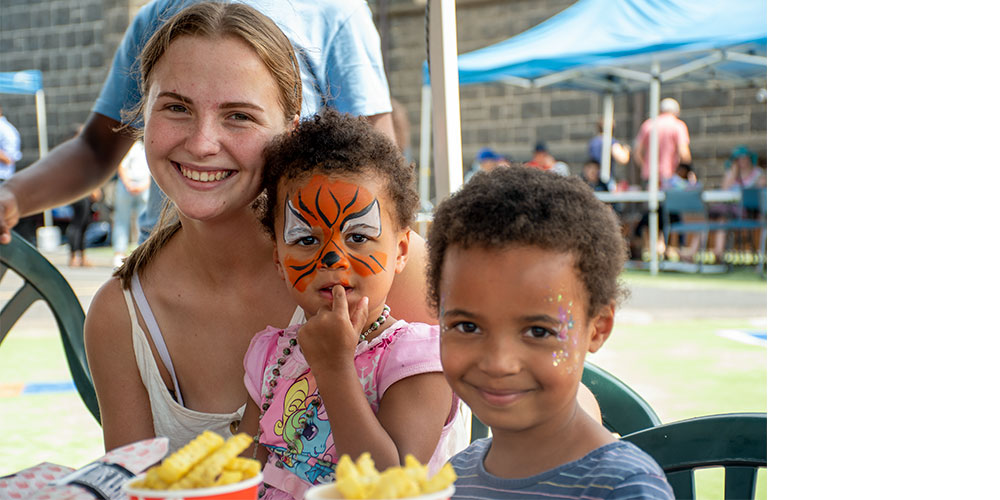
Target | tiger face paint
(331,225)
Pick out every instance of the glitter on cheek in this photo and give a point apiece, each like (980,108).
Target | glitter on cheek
(566,323)
(558,357)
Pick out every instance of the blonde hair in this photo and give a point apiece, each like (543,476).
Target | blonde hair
(211,20)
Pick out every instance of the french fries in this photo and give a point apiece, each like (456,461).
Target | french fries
(360,480)
(207,460)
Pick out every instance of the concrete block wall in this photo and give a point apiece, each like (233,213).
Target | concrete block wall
(71,42)
(720,116)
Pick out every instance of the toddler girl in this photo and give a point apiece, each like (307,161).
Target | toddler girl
(523,268)
(338,203)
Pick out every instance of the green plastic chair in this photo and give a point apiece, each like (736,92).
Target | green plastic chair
(622,409)
(734,441)
(42,281)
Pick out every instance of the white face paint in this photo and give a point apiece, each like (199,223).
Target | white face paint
(295,225)
(368,223)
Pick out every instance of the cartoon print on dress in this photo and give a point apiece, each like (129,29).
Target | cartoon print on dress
(309,452)
(340,211)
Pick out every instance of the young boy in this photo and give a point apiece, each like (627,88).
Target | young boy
(523,270)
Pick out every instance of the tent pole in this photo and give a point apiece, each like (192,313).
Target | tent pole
(654,169)
(43,137)
(443,65)
(424,180)
(609,107)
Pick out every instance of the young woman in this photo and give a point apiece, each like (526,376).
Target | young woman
(166,336)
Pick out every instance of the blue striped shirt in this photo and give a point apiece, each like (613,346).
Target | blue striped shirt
(619,470)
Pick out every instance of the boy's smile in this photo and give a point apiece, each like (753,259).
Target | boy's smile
(514,333)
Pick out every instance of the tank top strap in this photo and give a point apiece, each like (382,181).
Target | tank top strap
(146,313)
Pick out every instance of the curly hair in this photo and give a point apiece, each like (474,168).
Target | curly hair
(519,206)
(338,143)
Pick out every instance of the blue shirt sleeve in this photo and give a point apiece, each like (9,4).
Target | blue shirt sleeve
(642,486)
(354,72)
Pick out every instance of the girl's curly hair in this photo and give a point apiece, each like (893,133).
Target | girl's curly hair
(337,143)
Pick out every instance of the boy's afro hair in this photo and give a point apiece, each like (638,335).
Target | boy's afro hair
(520,206)
(337,143)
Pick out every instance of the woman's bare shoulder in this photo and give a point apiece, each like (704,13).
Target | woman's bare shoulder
(107,321)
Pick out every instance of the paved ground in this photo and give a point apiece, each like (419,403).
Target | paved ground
(52,424)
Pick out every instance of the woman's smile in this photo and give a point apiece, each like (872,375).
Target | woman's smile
(203,175)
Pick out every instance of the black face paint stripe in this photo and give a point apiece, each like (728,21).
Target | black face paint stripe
(303,266)
(372,257)
(363,263)
(297,215)
(319,209)
(307,273)
(304,208)
(356,191)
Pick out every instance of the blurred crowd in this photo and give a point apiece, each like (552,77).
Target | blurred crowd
(744,169)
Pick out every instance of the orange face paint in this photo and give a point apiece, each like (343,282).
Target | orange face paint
(336,220)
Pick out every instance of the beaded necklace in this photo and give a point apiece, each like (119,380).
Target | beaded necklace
(271,374)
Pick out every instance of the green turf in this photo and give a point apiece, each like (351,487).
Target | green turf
(738,279)
(37,428)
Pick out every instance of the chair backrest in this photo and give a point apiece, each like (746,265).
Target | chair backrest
(42,281)
(683,201)
(755,199)
(622,409)
(735,441)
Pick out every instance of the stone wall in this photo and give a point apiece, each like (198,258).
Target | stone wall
(73,41)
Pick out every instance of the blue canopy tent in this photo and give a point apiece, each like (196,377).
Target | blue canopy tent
(622,46)
(30,82)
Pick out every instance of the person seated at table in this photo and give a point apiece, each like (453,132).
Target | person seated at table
(592,176)
(742,172)
(523,269)
(682,246)
(683,178)
(339,201)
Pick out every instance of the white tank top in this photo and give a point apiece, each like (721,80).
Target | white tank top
(170,418)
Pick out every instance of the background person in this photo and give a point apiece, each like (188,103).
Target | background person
(341,65)
(542,159)
(486,160)
(10,147)
(131,193)
(674,149)
(674,145)
(742,172)
(620,153)
(76,231)
(592,176)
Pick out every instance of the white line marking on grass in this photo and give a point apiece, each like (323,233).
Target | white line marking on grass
(745,337)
